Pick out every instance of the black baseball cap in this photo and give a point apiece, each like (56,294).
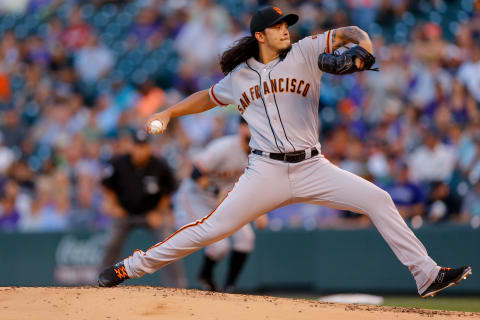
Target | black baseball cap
(269,16)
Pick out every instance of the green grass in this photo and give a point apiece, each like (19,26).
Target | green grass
(468,304)
(465,304)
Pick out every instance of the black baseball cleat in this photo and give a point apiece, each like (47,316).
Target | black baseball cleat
(447,277)
(208,284)
(113,276)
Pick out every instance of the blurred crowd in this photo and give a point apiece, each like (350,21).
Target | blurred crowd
(76,79)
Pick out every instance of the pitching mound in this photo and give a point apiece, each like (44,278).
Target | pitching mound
(92,303)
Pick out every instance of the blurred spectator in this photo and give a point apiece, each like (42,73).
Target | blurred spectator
(377,163)
(60,58)
(5,91)
(53,130)
(53,33)
(50,205)
(23,175)
(86,204)
(13,132)
(9,215)
(124,95)
(152,98)
(363,12)
(7,157)
(469,161)
(355,161)
(442,204)
(14,6)
(79,114)
(37,52)
(226,40)
(147,29)
(471,205)
(462,105)
(428,43)
(9,53)
(77,33)
(35,5)
(208,23)
(202,128)
(469,73)
(407,195)
(432,161)
(93,61)
(390,83)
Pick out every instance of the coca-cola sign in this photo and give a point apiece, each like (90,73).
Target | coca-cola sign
(78,260)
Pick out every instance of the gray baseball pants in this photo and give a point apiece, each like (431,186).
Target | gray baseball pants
(192,203)
(269,184)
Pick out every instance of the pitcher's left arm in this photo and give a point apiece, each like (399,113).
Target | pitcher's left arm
(351,34)
(358,58)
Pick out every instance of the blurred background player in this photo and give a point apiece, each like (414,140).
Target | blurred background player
(137,188)
(214,173)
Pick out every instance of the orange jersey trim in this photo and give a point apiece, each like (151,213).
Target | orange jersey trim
(216,99)
(328,41)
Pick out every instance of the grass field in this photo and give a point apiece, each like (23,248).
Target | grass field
(468,304)
(465,304)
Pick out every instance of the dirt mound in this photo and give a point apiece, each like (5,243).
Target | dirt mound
(137,302)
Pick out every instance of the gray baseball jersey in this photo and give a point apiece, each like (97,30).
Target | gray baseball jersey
(223,161)
(279,100)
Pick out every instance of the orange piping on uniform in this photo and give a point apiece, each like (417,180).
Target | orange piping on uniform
(328,41)
(215,98)
(196,222)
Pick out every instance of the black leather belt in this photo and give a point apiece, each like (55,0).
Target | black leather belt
(292,157)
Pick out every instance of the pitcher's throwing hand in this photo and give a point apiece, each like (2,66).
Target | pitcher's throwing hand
(158,122)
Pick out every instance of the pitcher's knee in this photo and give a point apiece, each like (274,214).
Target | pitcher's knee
(388,198)
(380,198)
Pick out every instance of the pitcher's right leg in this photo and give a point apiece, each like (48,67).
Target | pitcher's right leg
(263,187)
(330,186)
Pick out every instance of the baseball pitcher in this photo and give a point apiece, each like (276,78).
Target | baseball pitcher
(275,86)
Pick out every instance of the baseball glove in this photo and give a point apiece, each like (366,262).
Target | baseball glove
(345,62)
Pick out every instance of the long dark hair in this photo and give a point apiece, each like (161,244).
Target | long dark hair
(242,50)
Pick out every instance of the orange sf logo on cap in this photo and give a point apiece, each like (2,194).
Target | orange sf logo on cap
(279,11)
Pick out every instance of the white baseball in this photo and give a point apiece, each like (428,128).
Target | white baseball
(156,126)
